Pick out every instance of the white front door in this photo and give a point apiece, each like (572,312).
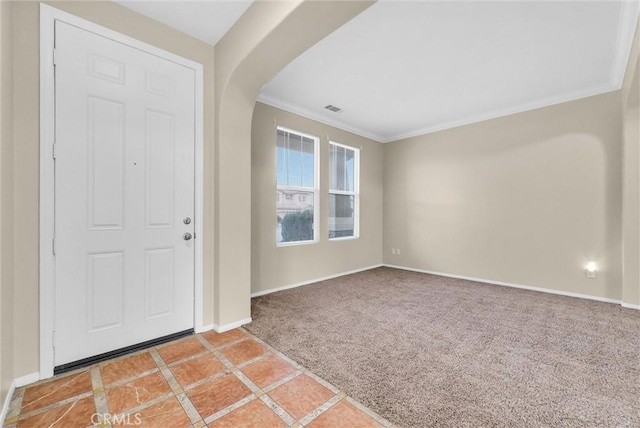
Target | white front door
(124,195)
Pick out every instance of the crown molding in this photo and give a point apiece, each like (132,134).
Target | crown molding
(304,112)
(545,102)
(495,114)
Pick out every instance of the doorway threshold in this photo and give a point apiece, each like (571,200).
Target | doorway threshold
(64,368)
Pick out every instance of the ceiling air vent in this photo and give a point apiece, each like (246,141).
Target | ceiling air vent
(333,108)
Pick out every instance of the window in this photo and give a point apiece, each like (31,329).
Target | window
(297,180)
(344,171)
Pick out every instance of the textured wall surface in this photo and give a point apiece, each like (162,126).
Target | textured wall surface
(272,266)
(528,198)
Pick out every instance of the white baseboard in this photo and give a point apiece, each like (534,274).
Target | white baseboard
(16,383)
(230,326)
(203,328)
(508,284)
(27,379)
(311,281)
(630,306)
(7,402)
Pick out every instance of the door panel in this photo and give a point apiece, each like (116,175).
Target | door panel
(105,286)
(159,282)
(159,171)
(105,146)
(124,183)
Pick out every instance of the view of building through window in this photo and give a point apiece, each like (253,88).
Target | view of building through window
(343,191)
(296,187)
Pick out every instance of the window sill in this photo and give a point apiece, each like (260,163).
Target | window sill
(344,238)
(295,243)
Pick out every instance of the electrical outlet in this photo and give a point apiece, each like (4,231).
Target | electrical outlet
(393,251)
(397,251)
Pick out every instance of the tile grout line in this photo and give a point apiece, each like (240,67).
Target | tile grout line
(275,351)
(124,381)
(205,343)
(157,359)
(262,394)
(230,344)
(14,408)
(72,376)
(275,408)
(220,413)
(216,353)
(323,408)
(281,382)
(189,358)
(99,390)
(247,382)
(257,392)
(379,419)
(176,388)
(16,403)
(224,360)
(99,393)
(300,367)
(146,404)
(189,408)
(206,380)
(224,346)
(55,405)
(253,360)
(230,368)
(125,356)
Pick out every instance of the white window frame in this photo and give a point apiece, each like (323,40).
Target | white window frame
(355,193)
(316,187)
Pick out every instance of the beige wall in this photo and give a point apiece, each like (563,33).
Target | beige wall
(273,266)
(26,150)
(527,199)
(25,189)
(542,189)
(630,97)
(6,197)
(246,62)
(264,40)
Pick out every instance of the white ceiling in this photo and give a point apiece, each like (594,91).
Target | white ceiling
(205,20)
(405,68)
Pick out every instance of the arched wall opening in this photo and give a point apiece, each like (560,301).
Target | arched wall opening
(263,41)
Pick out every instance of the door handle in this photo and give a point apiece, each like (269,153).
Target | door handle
(187,236)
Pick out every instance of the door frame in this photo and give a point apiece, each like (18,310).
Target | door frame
(48,16)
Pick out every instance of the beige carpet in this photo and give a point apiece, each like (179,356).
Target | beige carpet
(428,351)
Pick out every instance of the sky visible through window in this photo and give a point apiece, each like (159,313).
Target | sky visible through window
(342,161)
(295,160)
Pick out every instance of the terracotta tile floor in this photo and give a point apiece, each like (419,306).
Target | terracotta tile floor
(230,380)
